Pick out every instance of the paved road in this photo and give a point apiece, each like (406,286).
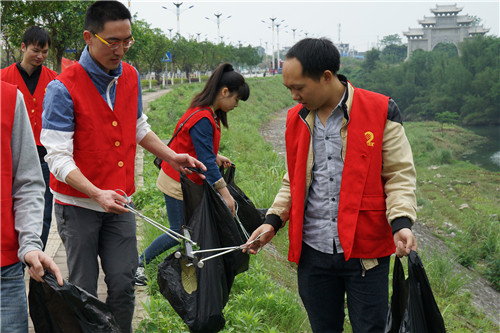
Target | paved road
(56,249)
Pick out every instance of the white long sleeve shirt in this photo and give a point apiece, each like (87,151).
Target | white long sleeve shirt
(58,124)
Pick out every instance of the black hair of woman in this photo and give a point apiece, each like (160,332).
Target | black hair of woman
(224,76)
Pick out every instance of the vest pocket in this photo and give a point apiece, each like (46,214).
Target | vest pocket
(372,221)
(373,202)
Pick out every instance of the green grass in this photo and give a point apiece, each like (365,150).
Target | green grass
(457,200)
(265,298)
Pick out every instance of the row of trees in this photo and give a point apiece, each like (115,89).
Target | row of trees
(424,86)
(428,84)
(64,21)
(188,55)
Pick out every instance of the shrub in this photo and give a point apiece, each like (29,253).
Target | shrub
(145,83)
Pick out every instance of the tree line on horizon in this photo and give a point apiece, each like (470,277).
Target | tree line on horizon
(64,20)
(439,85)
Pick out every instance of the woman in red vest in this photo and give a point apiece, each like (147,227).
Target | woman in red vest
(198,134)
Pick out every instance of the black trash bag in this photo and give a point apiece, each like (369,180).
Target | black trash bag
(249,215)
(55,309)
(413,307)
(199,295)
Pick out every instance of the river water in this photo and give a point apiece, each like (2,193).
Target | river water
(487,155)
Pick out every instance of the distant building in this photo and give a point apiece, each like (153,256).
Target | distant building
(343,49)
(346,51)
(446,26)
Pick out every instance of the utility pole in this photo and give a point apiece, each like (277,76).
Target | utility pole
(178,13)
(218,20)
(272,30)
(278,42)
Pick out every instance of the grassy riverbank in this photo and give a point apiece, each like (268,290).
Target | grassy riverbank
(457,200)
(265,299)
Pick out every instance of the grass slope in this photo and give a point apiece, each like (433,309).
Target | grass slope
(265,298)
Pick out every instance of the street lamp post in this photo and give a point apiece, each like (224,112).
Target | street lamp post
(272,30)
(218,21)
(170,31)
(178,13)
(278,41)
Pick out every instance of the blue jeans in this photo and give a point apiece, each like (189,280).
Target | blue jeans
(323,281)
(14,308)
(164,242)
(47,211)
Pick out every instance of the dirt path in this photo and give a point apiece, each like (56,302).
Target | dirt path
(141,295)
(484,297)
(146,99)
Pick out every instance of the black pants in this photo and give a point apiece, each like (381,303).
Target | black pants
(325,279)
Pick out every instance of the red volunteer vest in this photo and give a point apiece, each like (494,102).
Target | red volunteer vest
(9,242)
(34,103)
(362,224)
(182,143)
(104,140)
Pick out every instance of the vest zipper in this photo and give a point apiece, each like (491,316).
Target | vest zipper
(346,115)
(310,138)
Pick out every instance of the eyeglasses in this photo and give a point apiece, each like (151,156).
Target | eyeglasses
(113,46)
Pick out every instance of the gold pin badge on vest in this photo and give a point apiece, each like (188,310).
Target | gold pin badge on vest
(369,138)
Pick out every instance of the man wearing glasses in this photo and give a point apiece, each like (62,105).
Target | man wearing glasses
(92,121)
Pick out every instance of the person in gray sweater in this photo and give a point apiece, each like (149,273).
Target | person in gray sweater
(22,205)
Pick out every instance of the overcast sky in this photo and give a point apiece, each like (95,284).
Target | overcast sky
(362,23)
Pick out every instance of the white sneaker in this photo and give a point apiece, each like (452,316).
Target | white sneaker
(140,277)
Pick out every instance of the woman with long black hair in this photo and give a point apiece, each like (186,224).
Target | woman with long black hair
(199,137)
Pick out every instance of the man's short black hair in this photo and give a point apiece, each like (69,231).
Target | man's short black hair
(316,56)
(101,12)
(37,36)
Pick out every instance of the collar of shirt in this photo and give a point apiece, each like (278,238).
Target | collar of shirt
(342,103)
(344,81)
(99,78)
(31,81)
(36,72)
